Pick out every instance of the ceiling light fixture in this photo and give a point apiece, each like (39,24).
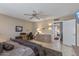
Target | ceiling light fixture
(49,28)
(50,24)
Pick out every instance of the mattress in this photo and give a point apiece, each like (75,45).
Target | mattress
(19,50)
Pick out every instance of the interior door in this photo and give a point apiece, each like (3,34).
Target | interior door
(69,32)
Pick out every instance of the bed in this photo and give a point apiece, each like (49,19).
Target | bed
(23,48)
(19,50)
(27,48)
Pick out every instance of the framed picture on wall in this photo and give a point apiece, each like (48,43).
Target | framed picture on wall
(19,28)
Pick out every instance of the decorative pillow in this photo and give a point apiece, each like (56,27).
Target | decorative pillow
(7,46)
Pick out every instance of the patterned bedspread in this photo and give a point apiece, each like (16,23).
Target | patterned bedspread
(19,50)
(38,50)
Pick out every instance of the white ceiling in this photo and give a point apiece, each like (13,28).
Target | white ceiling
(51,9)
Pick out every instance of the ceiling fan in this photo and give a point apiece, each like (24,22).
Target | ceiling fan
(36,15)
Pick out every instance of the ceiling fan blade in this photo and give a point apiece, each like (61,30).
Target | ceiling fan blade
(34,12)
(42,13)
(37,17)
(31,17)
(28,14)
(41,16)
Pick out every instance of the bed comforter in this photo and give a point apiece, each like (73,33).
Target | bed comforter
(19,50)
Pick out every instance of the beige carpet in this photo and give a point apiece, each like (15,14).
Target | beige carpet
(76,49)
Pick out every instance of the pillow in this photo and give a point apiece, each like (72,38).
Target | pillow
(7,46)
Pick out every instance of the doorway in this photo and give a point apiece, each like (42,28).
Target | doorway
(58,31)
(65,31)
